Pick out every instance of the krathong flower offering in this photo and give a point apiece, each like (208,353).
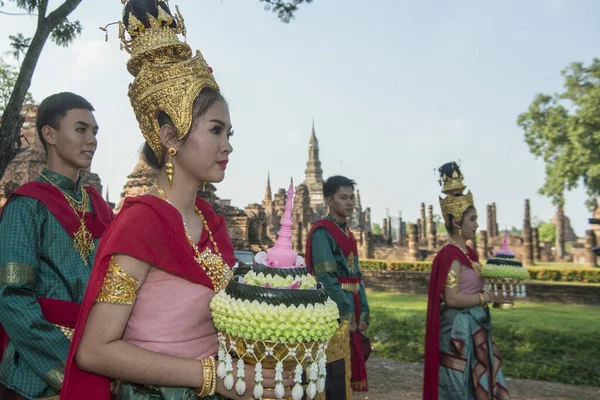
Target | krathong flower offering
(275,316)
(505,274)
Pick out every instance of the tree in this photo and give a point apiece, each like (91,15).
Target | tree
(564,130)
(284,9)
(62,32)
(547,232)
(8,77)
(19,45)
(515,231)
(376,229)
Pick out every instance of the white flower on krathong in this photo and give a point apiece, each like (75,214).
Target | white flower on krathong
(292,352)
(308,352)
(269,351)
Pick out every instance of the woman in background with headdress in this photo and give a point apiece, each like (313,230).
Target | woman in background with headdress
(145,319)
(461,359)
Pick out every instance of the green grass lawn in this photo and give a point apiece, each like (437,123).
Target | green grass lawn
(544,341)
(556,265)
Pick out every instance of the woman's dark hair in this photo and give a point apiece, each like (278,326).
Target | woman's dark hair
(450,224)
(55,107)
(140,9)
(331,185)
(206,98)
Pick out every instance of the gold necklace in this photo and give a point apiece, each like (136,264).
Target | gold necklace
(80,205)
(83,241)
(213,264)
(476,265)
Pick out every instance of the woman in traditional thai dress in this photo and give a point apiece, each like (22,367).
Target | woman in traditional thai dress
(461,358)
(145,319)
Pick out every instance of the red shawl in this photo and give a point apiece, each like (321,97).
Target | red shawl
(151,230)
(439,274)
(345,241)
(55,311)
(58,206)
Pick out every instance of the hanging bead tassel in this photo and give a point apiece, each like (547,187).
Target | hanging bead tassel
(495,290)
(503,290)
(221,366)
(279,390)
(311,389)
(512,291)
(524,291)
(258,378)
(322,372)
(298,391)
(228,381)
(240,386)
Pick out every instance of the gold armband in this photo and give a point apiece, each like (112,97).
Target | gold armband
(209,377)
(452,280)
(118,287)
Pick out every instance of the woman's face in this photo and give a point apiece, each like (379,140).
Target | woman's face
(469,224)
(205,154)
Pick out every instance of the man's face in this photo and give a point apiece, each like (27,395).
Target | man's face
(342,202)
(74,141)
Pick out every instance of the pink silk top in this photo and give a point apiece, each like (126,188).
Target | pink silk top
(172,316)
(470,282)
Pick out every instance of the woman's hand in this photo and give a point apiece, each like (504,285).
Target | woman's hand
(268,384)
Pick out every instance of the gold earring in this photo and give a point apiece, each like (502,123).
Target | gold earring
(459,232)
(204,187)
(169,165)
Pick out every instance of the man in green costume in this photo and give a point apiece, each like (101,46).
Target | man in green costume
(49,230)
(332,256)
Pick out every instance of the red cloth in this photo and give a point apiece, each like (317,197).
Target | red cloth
(359,367)
(345,241)
(151,230)
(439,273)
(58,206)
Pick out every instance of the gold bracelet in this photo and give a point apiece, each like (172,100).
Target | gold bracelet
(207,378)
(213,366)
(481,299)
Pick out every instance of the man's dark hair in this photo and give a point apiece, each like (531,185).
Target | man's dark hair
(332,184)
(55,107)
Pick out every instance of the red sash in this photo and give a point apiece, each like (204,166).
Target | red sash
(439,273)
(359,381)
(344,240)
(58,206)
(151,230)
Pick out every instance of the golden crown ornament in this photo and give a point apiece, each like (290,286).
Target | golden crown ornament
(168,78)
(456,202)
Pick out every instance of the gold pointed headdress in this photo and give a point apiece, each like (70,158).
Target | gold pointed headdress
(456,202)
(167,77)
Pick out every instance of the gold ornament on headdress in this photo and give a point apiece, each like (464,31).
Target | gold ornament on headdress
(167,77)
(456,202)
